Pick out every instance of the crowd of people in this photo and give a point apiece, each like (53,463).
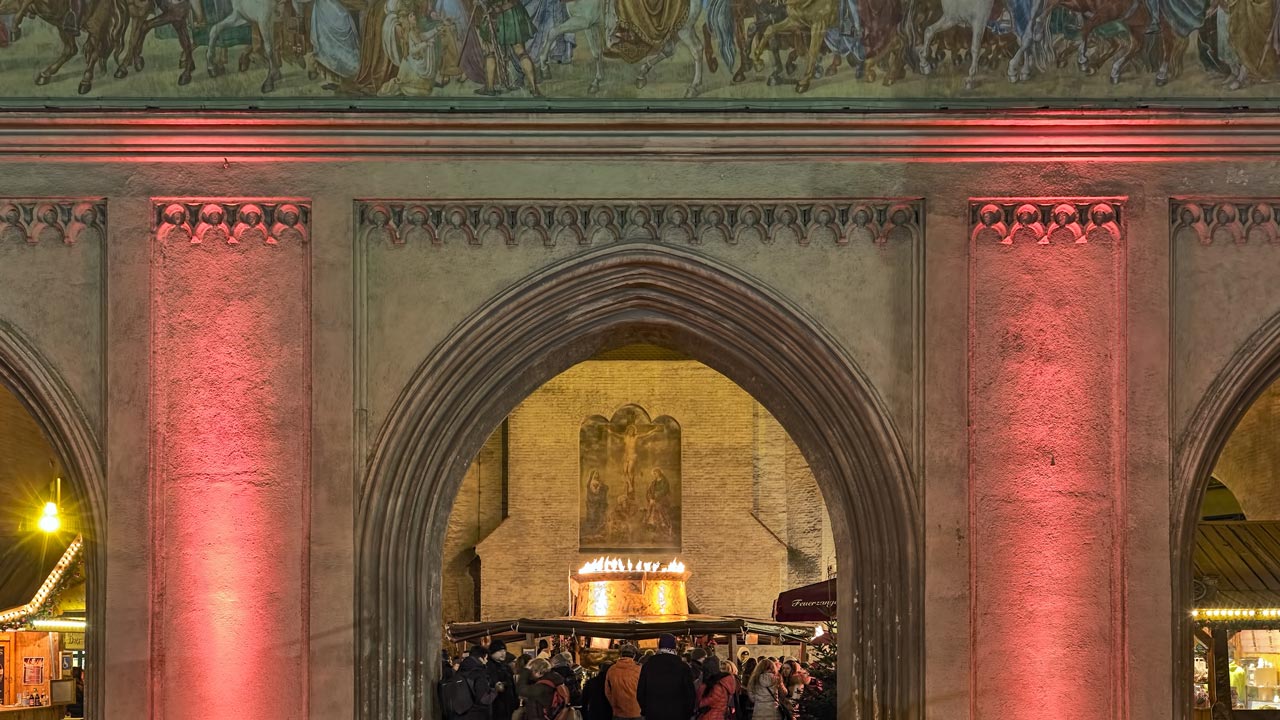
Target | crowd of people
(669,683)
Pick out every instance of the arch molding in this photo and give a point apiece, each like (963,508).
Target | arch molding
(565,314)
(1253,368)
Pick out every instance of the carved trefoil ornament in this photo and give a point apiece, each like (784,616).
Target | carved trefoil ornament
(1225,221)
(1046,221)
(553,223)
(37,221)
(242,221)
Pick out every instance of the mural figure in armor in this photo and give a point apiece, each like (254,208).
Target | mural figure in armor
(630,486)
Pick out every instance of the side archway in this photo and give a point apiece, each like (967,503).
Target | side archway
(53,406)
(1253,368)
(566,314)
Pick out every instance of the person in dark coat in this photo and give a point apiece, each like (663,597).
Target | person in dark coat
(500,675)
(595,702)
(472,669)
(697,657)
(562,665)
(446,674)
(665,691)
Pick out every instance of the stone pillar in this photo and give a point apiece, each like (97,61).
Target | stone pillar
(1046,398)
(231,388)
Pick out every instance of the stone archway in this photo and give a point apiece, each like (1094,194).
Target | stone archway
(565,314)
(51,403)
(1253,368)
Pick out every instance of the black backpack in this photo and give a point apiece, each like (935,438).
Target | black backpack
(458,696)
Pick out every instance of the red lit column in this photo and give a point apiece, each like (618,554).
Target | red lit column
(230,309)
(1046,394)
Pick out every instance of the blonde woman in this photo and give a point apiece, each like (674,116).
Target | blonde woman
(765,688)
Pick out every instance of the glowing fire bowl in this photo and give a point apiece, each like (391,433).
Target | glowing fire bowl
(614,593)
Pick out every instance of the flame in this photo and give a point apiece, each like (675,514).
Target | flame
(606,564)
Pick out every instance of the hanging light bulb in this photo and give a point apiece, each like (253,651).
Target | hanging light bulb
(49,520)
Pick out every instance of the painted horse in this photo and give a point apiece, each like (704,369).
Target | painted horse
(811,16)
(973,14)
(101,21)
(589,17)
(261,15)
(174,13)
(1133,16)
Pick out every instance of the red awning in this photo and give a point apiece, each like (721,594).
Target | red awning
(811,603)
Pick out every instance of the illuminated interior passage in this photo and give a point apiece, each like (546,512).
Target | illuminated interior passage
(42,572)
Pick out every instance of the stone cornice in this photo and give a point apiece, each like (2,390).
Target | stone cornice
(958,135)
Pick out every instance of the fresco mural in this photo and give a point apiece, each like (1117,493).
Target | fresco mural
(630,492)
(441,54)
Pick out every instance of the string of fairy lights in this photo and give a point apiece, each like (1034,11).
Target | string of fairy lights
(1236,615)
(47,588)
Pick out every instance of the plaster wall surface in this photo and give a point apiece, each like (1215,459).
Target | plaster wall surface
(230,365)
(1046,438)
(901,312)
(1250,462)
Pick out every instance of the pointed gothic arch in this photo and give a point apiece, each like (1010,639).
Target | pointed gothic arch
(32,379)
(567,313)
(1253,368)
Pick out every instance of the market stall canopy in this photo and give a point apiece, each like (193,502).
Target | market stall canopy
(629,628)
(1237,573)
(810,603)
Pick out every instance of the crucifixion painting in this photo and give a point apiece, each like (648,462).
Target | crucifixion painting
(630,482)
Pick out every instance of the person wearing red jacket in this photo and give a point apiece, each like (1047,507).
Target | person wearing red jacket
(718,692)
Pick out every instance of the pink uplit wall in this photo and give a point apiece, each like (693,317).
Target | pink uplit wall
(1047,355)
(231,466)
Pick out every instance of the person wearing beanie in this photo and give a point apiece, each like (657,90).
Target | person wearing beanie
(562,664)
(621,683)
(697,657)
(500,676)
(665,690)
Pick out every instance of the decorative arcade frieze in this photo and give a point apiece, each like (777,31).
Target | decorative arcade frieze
(231,221)
(1225,221)
(596,222)
(35,221)
(1045,222)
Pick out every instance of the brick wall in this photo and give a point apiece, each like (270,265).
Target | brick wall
(748,496)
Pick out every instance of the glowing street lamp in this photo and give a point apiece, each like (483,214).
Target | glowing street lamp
(49,520)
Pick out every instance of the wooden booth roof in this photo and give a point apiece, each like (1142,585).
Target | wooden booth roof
(1239,563)
(630,628)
